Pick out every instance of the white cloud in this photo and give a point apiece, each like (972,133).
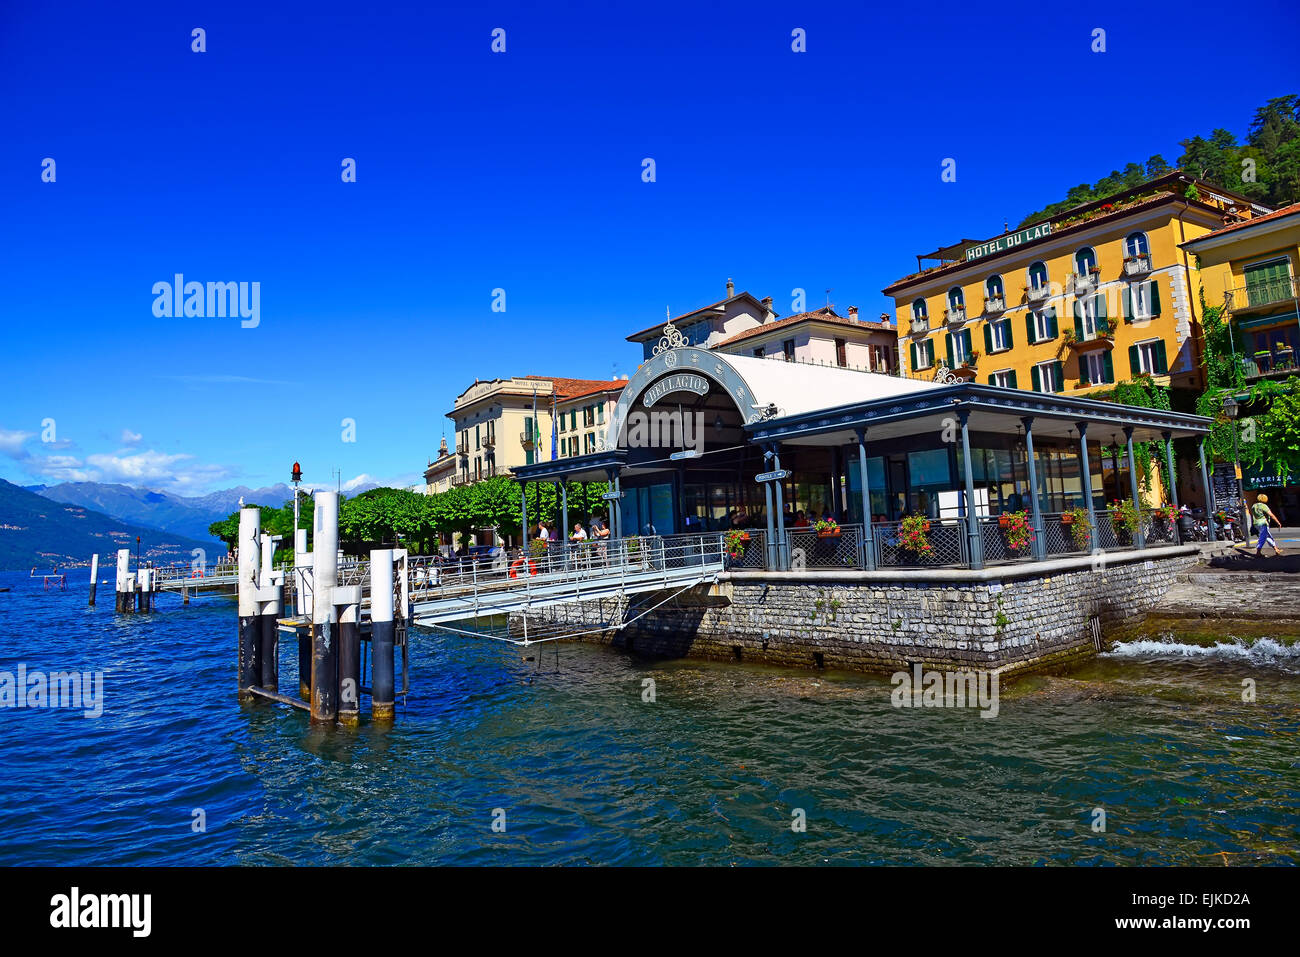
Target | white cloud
(177,472)
(131,438)
(11,443)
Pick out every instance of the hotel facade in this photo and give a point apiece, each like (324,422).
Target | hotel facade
(1098,294)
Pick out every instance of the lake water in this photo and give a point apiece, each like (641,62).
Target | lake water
(586,772)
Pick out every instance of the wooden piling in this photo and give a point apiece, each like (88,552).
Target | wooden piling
(381,635)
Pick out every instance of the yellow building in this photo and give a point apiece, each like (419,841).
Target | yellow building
(1097,294)
(1250,269)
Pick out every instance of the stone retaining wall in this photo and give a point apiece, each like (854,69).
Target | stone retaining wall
(1024,616)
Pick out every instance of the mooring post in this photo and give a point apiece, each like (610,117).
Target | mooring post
(324,648)
(381,634)
(269,637)
(302,563)
(94,576)
(250,631)
(125,597)
(349,642)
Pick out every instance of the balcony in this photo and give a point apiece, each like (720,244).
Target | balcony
(490,441)
(955,316)
(920,327)
(1257,296)
(1038,293)
(994,305)
(1102,337)
(1266,364)
(1085,282)
(527,441)
(1138,265)
(469,478)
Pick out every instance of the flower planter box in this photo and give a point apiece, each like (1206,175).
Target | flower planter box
(1004,522)
(1067,519)
(829,533)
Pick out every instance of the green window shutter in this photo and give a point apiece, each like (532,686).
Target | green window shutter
(1052,330)
(1108,368)
(1162,365)
(1011,380)
(1155,298)
(1100,300)
(1038,379)
(988,337)
(1128,304)
(947,344)
(1007,329)
(1083,370)
(991,382)
(1134,366)
(1078,320)
(965,338)
(1029,327)
(1060,376)
(911,351)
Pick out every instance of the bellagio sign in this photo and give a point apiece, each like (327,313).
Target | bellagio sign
(678,382)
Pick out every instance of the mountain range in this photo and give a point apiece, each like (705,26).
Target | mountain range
(181,515)
(37,532)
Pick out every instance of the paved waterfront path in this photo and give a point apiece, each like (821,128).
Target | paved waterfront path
(1258,596)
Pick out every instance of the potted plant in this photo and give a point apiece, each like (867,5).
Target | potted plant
(1125,516)
(827,528)
(911,535)
(1018,531)
(735,541)
(1080,526)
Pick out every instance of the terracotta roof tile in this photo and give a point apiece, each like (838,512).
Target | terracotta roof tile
(577,388)
(824,314)
(1291,210)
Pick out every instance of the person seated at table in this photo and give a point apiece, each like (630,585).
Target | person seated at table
(800,519)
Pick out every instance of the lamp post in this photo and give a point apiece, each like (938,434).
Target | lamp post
(1232,408)
(296,478)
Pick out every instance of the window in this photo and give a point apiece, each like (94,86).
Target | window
(1087,312)
(1085,261)
(1096,368)
(1040,325)
(588,416)
(1004,378)
(573,423)
(759,353)
(997,335)
(922,354)
(560,420)
(478,438)
(1038,276)
(993,287)
(1268,282)
(600,414)
(918,311)
(1135,245)
(959,350)
(956,300)
(841,353)
(1148,357)
(1142,301)
(589,443)
(787,347)
(1047,377)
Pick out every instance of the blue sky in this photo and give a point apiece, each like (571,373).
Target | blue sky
(519,171)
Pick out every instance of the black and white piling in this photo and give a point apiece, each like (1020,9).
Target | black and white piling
(381,635)
(250,622)
(324,646)
(302,564)
(125,583)
(348,600)
(269,628)
(94,576)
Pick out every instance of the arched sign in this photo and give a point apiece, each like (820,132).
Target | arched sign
(688,369)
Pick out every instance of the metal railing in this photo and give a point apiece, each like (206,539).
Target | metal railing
(840,547)
(944,544)
(1138,265)
(1255,295)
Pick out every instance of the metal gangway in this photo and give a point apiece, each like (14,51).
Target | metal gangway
(565,572)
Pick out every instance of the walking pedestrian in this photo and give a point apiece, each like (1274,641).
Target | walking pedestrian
(1261,514)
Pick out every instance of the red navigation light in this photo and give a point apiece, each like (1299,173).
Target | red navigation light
(297,472)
